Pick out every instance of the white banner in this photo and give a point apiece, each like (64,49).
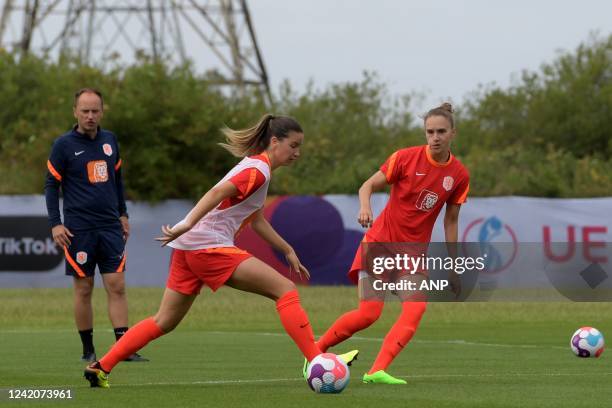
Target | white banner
(324,231)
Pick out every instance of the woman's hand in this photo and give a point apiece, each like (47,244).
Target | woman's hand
(295,264)
(365,217)
(172,233)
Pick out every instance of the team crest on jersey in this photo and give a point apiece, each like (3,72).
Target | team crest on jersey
(108,150)
(97,172)
(81,257)
(427,200)
(448,182)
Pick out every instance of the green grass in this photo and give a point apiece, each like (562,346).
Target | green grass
(231,351)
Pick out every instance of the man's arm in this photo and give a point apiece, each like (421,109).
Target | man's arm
(122,208)
(61,234)
(52,186)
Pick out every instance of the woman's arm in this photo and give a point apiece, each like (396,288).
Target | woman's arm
(263,228)
(209,201)
(377,182)
(451,233)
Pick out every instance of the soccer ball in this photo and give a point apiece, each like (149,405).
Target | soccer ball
(327,374)
(587,342)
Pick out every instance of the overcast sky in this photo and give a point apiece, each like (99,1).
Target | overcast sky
(443,48)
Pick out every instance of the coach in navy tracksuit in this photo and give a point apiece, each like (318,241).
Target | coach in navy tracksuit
(85,162)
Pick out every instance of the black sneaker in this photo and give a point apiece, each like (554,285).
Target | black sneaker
(136,358)
(89,357)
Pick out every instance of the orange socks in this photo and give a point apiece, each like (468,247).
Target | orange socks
(296,323)
(399,335)
(133,340)
(350,323)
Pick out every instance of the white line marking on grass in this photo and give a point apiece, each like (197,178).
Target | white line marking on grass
(499,375)
(213,382)
(458,342)
(415,376)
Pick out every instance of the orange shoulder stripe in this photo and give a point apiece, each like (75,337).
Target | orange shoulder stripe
(463,197)
(54,172)
(392,160)
(252,177)
(118,164)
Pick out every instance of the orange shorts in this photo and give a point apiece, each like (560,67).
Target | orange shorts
(358,265)
(189,270)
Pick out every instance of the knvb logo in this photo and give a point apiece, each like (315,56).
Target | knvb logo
(26,245)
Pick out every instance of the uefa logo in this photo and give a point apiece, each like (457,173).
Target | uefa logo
(496,241)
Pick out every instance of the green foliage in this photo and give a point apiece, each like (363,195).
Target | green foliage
(350,131)
(546,135)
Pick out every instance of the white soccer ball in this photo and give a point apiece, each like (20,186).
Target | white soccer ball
(327,373)
(587,342)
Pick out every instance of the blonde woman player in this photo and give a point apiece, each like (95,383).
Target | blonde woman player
(423,179)
(204,252)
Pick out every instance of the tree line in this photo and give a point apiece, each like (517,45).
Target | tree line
(546,135)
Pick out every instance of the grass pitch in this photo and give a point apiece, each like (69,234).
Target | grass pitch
(231,351)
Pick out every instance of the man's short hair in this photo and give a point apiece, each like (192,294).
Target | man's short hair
(81,91)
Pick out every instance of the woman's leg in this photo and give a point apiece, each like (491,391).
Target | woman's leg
(174,306)
(414,304)
(254,276)
(369,310)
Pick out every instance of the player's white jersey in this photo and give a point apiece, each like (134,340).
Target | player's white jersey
(219,227)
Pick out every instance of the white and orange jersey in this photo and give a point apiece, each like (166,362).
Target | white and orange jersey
(218,228)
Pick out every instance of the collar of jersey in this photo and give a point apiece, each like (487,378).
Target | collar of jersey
(435,163)
(84,136)
(263,157)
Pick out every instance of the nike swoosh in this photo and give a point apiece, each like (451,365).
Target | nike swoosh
(303,325)
(420,174)
(77,153)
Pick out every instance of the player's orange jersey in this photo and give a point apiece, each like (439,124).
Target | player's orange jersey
(420,188)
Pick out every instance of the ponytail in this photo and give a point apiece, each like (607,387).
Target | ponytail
(256,139)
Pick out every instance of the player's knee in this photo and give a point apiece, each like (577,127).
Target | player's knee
(166,325)
(286,287)
(116,291)
(83,292)
(281,289)
(115,288)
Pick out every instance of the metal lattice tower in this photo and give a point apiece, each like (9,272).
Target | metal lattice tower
(219,34)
